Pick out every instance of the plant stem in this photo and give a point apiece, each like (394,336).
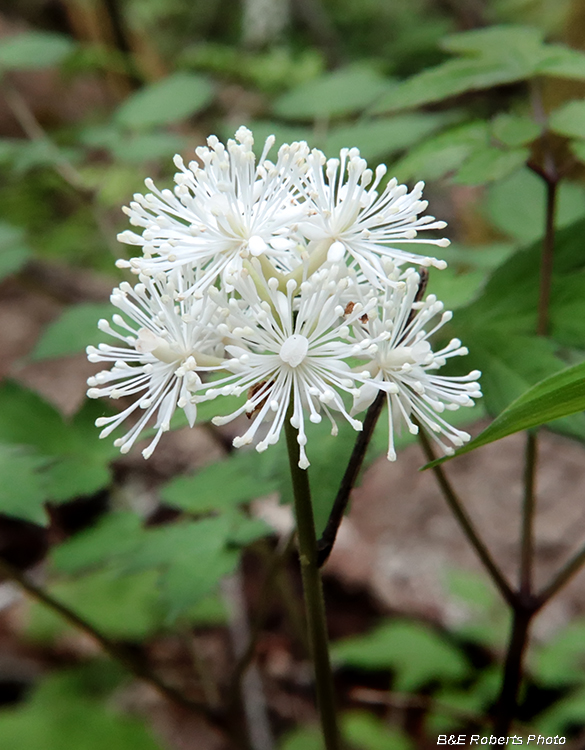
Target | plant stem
(564,575)
(313,591)
(133,662)
(466,524)
(528,506)
(327,540)
(548,247)
(507,701)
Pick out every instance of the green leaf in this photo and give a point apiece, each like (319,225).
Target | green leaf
(442,154)
(566,713)
(134,147)
(367,732)
(514,130)
(59,716)
(22,490)
(376,139)
(558,396)
(523,219)
(558,61)
(417,654)
(334,94)
(176,97)
(569,120)
(578,149)
(561,661)
(223,484)
(34,49)
(120,605)
(74,330)
(112,537)
(305,738)
(14,253)
(489,163)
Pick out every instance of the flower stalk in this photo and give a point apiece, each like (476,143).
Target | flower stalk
(313,591)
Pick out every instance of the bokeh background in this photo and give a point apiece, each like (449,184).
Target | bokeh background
(96,95)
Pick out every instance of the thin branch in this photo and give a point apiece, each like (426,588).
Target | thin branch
(327,540)
(528,506)
(133,662)
(466,524)
(571,567)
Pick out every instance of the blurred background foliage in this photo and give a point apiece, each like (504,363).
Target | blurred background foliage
(98,94)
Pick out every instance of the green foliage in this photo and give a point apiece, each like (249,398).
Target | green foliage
(34,49)
(61,715)
(365,732)
(559,395)
(133,147)
(568,712)
(220,486)
(569,119)
(170,100)
(489,57)
(342,92)
(73,331)
(380,137)
(514,130)
(516,205)
(415,652)
(486,621)
(190,556)
(560,662)
(22,490)
(14,252)
(76,461)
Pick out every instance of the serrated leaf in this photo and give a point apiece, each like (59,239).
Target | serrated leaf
(558,396)
(489,164)
(22,489)
(74,330)
(112,537)
(172,99)
(514,130)
(342,92)
(223,484)
(569,120)
(376,139)
(34,49)
(415,652)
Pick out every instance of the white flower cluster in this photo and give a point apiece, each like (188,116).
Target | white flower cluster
(278,282)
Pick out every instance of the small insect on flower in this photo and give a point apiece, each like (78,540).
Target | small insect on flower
(224,208)
(165,345)
(403,364)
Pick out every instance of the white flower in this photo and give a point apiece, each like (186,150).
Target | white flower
(227,209)
(350,216)
(403,364)
(286,348)
(165,343)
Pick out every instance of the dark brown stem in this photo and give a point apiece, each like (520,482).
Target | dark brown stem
(327,540)
(548,246)
(507,702)
(564,575)
(527,538)
(466,524)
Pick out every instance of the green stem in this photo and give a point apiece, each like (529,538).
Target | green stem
(313,591)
